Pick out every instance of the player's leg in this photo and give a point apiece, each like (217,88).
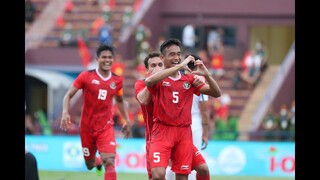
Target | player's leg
(89,149)
(200,165)
(108,160)
(106,144)
(182,153)
(160,150)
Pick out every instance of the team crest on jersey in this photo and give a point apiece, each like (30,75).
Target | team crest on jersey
(186,85)
(113,85)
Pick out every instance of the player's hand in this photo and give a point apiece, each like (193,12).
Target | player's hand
(201,69)
(204,143)
(185,62)
(65,121)
(126,130)
(198,80)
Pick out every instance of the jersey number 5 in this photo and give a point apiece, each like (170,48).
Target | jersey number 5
(175,97)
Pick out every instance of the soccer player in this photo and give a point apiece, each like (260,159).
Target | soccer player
(99,87)
(172,94)
(153,64)
(200,134)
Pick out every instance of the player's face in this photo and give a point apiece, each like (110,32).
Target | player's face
(155,64)
(172,56)
(105,60)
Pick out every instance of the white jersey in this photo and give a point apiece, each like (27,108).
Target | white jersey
(196,125)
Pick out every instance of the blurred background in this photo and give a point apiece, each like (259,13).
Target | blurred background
(248,45)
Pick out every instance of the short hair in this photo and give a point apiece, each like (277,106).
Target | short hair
(150,55)
(194,56)
(169,42)
(103,47)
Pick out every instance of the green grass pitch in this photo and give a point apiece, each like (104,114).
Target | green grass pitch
(90,175)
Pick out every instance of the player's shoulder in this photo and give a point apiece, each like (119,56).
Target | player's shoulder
(116,77)
(139,82)
(87,72)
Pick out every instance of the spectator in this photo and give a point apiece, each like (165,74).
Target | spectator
(68,36)
(126,18)
(30,11)
(270,125)
(118,66)
(69,6)
(262,52)
(215,41)
(137,129)
(221,106)
(189,38)
(237,77)
(60,22)
(217,68)
(226,130)
(251,68)
(284,122)
(292,120)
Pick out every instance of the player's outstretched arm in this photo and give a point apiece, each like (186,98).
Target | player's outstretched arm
(65,118)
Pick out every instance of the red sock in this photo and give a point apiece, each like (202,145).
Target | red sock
(98,161)
(110,173)
(203,177)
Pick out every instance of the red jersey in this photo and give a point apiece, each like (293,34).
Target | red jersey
(98,95)
(147,110)
(173,100)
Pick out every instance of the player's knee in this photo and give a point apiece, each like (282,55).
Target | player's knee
(158,173)
(90,163)
(108,161)
(202,169)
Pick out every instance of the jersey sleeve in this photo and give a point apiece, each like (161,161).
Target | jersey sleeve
(120,85)
(139,86)
(79,81)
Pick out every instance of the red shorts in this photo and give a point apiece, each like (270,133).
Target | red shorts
(102,140)
(148,159)
(197,158)
(171,142)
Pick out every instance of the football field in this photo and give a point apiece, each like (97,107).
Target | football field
(59,175)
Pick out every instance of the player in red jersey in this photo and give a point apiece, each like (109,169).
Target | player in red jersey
(99,87)
(153,64)
(172,94)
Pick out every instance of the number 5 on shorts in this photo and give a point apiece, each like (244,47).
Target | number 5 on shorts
(156,156)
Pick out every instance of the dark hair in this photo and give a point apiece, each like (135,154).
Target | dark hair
(150,55)
(169,42)
(103,47)
(191,64)
(194,56)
